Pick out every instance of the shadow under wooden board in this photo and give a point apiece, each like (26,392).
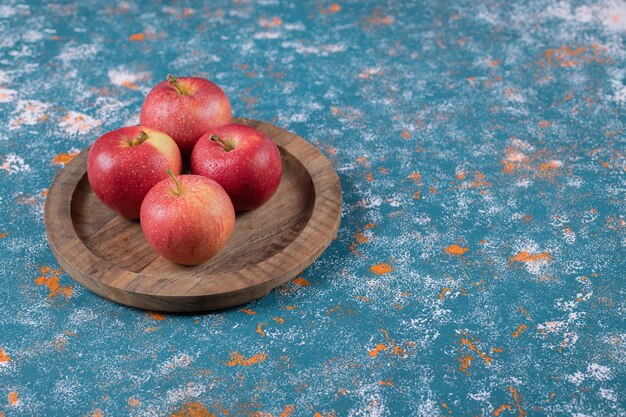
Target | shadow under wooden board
(109,255)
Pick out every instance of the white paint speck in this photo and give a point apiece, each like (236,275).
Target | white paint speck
(7,95)
(607,394)
(599,372)
(27,112)
(123,77)
(78,123)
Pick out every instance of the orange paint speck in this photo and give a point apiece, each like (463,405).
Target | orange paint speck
(405,134)
(472,347)
(416,177)
(288,410)
(267,23)
(370,177)
(520,329)
(466,361)
(544,124)
(97,413)
(4,357)
(335,308)
(527,257)
(333,8)
(565,56)
(129,85)
(381,269)
(237,358)
(63,158)
(456,250)
(291,308)
(279,320)
(259,329)
(13,398)
(157,316)
(247,311)
(517,399)
(377,19)
(361,238)
(362,160)
(137,37)
(3,235)
(479,181)
(193,409)
(301,281)
(500,409)
(133,402)
(386,383)
(362,298)
(379,347)
(508,167)
(53,282)
(550,166)
(443,292)
(397,350)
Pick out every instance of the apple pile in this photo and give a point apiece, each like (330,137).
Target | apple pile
(137,170)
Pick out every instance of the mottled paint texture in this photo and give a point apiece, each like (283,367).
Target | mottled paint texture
(479,268)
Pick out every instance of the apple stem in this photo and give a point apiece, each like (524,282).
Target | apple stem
(139,139)
(226,146)
(174,83)
(176,182)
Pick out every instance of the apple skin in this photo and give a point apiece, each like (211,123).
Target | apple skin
(185,108)
(187,223)
(250,172)
(121,174)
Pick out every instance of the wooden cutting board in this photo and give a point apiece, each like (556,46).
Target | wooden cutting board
(109,255)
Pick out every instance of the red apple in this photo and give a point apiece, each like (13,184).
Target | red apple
(187,219)
(185,108)
(241,159)
(124,164)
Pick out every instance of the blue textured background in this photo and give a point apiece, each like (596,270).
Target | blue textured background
(479,268)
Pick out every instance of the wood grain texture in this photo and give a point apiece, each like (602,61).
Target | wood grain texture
(270,245)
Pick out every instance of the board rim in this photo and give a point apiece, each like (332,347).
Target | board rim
(115,283)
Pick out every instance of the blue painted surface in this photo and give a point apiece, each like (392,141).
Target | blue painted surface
(479,268)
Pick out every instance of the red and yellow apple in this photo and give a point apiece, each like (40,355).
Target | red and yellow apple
(185,108)
(243,160)
(187,219)
(124,164)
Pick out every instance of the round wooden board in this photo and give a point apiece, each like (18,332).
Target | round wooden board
(109,255)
